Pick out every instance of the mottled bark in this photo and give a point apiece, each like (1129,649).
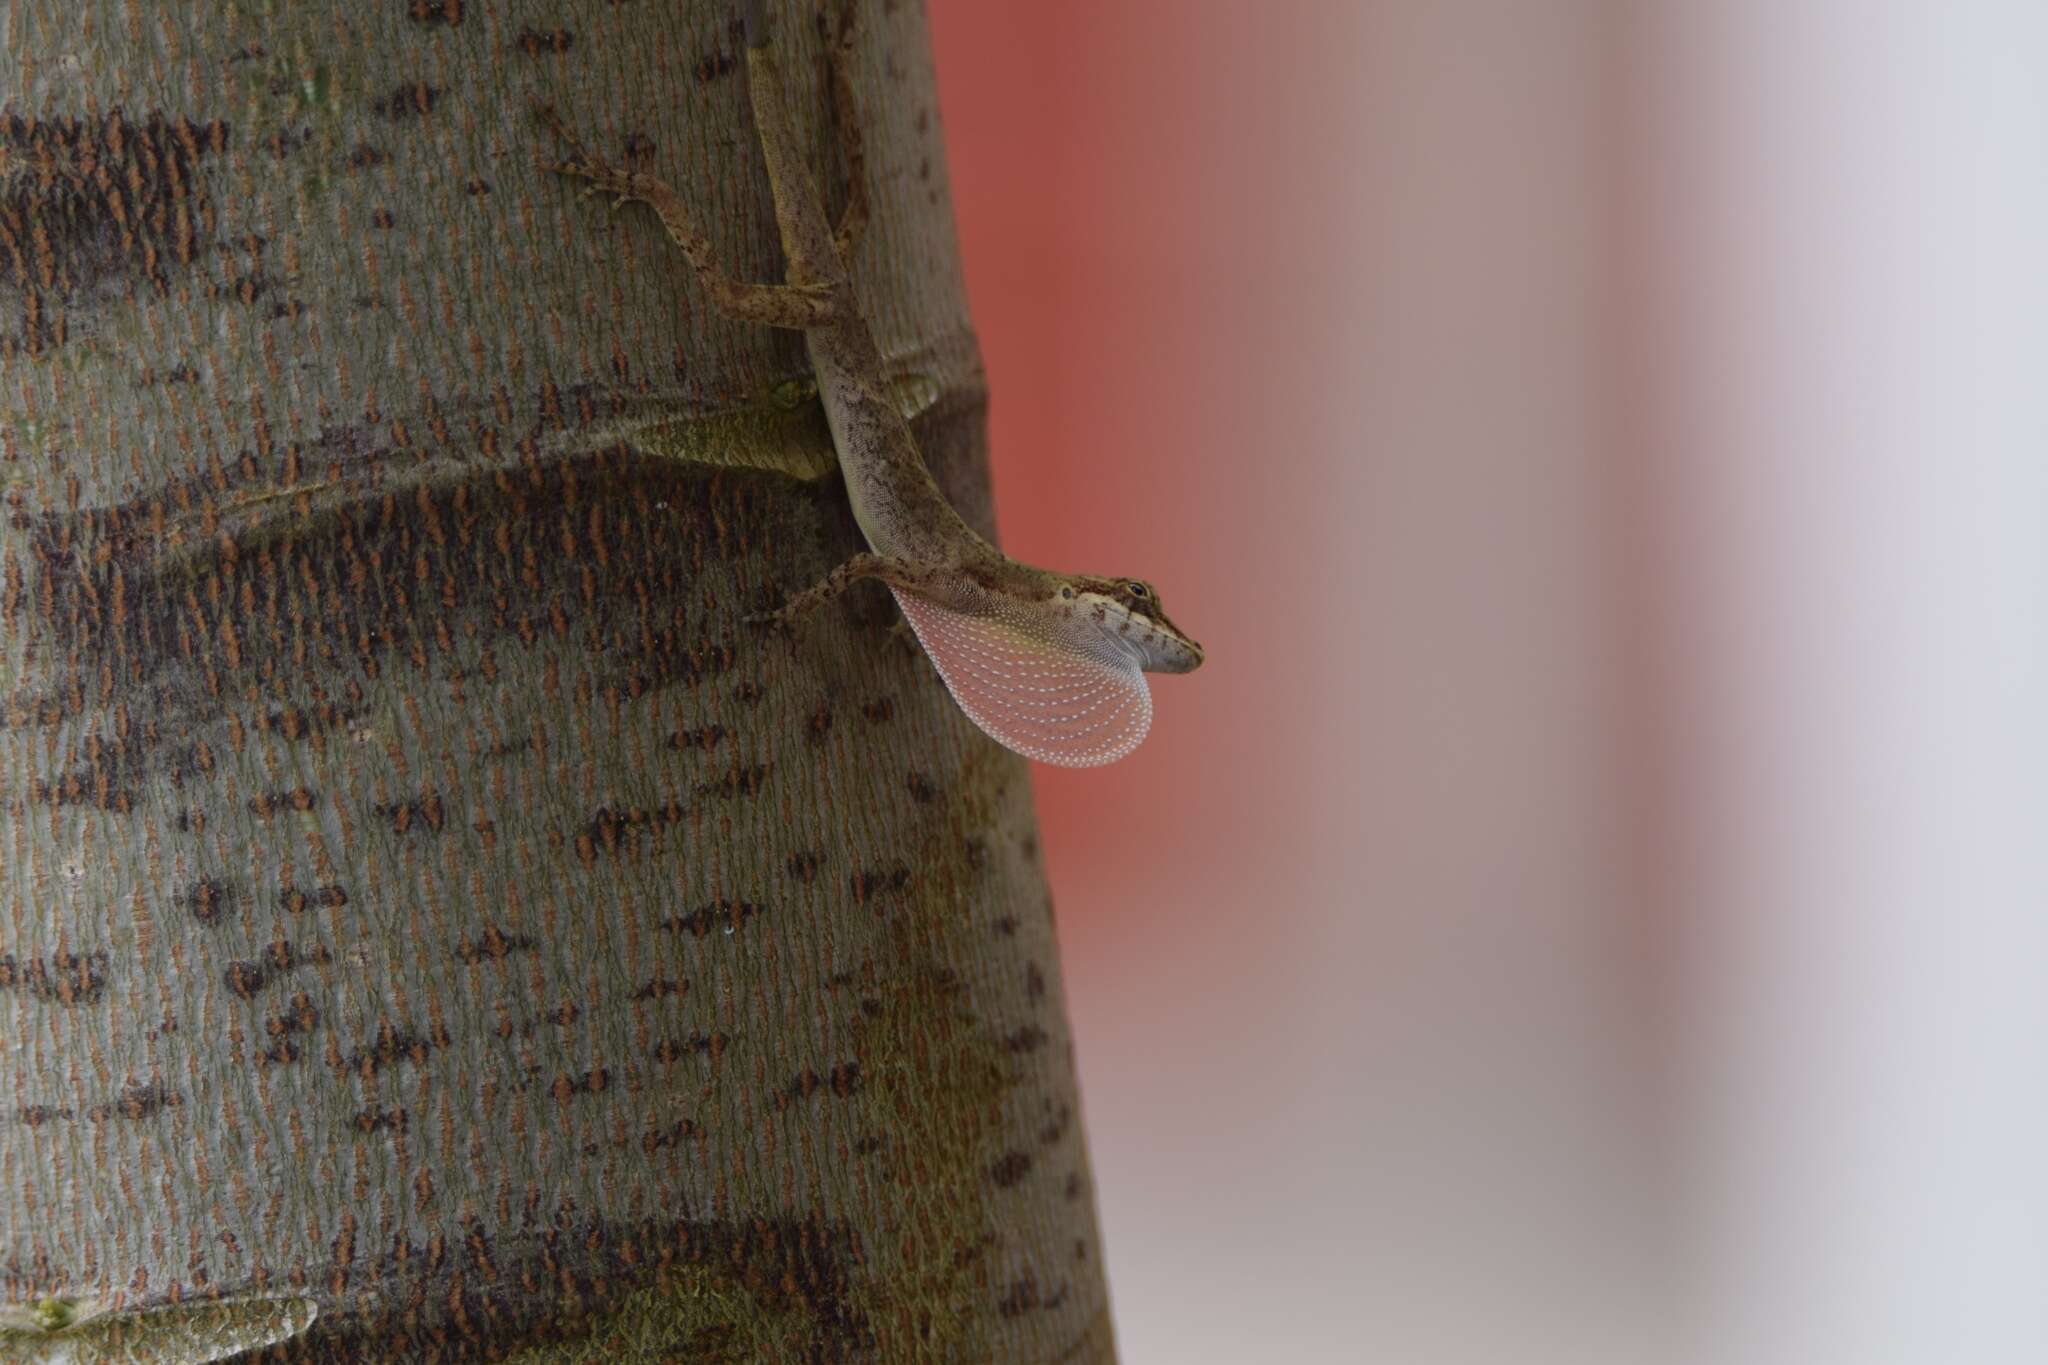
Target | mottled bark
(422,901)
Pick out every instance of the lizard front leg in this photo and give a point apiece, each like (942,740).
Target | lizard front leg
(897,572)
(846,116)
(798,307)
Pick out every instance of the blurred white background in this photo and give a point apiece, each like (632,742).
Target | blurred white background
(1593,905)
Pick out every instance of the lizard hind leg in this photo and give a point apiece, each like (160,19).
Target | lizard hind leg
(860,566)
(795,306)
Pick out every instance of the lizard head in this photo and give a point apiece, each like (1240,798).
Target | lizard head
(1126,612)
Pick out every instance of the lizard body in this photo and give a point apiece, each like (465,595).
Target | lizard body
(1050,664)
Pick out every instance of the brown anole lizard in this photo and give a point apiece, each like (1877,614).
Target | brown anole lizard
(1050,664)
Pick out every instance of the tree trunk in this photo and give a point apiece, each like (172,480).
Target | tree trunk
(431,926)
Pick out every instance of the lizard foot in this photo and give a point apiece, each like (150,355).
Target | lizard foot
(583,164)
(781,622)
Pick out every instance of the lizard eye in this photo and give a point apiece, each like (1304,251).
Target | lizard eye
(1067,591)
(1137,589)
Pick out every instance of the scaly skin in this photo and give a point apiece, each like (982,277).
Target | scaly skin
(917,543)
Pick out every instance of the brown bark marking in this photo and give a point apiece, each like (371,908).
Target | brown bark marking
(436,11)
(611,833)
(710,1045)
(720,916)
(704,738)
(1026,1039)
(410,99)
(209,899)
(742,780)
(93,202)
(138,600)
(248,979)
(393,1045)
(134,1104)
(297,901)
(550,42)
(493,945)
(875,884)
(843,1080)
(63,979)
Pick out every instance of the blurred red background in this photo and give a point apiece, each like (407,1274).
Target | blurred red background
(1237,280)
(1588,907)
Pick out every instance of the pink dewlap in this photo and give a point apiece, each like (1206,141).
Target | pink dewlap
(1043,697)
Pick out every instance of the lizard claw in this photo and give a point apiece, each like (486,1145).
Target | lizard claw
(782,621)
(901,634)
(551,119)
